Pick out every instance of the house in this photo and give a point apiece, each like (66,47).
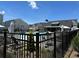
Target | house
(69,23)
(62,25)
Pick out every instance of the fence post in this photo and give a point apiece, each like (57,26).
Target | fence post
(69,37)
(66,40)
(62,45)
(5,42)
(37,45)
(54,44)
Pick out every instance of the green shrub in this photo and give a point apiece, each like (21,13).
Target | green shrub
(16,30)
(5,30)
(30,44)
(75,42)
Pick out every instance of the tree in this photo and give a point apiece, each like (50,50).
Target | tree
(46,20)
(78,25)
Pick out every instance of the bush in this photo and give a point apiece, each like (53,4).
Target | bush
(30,44)
(16,30)
(5,30)
(75,42)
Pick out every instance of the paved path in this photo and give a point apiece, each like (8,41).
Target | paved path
(71,53)
(74,54)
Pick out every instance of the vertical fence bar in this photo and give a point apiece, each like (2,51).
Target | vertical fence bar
(24,46)
(54,44)
(30,38)
(19,49)
(27,46)
(66,40)
(69,37)
(40,47)
(34,47)
(62,45)
(5,42)
(37,45)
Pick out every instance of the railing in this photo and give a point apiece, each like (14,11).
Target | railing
(20,45)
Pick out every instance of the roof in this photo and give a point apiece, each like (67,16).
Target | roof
(1,26)
(62,26)
(55,23)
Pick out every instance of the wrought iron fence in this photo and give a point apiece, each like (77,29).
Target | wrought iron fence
(48,45)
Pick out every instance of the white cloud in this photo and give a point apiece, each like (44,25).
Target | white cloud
(2,12)
(33,4)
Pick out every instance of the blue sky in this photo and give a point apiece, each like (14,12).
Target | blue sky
(37,11)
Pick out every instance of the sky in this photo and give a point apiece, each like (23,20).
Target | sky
(37,11)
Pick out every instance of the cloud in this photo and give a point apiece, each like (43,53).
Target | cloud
(2,12)
(33,4)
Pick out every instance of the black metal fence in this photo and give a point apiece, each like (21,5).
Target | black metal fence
(44,45)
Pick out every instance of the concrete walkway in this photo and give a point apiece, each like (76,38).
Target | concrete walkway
(71,53)
(74,54)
